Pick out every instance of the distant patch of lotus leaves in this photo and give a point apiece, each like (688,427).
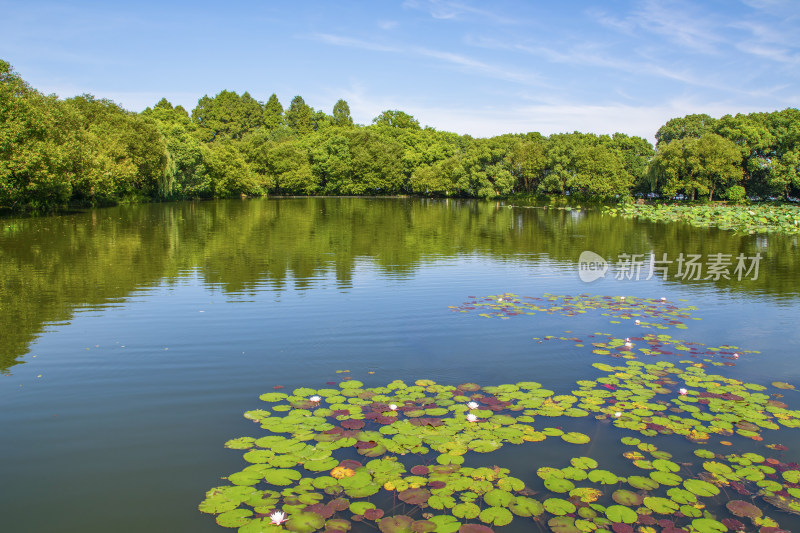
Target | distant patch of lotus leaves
(741,219)
(651,313)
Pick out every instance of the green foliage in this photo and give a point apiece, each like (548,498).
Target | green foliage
(341,114)
(736,193)
(299,116)
(273,113)
(88,151)
(394,118)
(227,115)
(742,219)
(394,443)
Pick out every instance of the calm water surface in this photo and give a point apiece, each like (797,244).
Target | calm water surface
(132,339)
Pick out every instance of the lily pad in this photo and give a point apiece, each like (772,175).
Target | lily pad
(303,522)
(619,513)
(499,516)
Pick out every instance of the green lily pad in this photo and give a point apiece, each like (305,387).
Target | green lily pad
(498,498)
(281,476)
(619,513)
(360,507)
(558,507)
(466,510)
(304,522)
(558,485)
(660,505)
(499,516)
(700,487)
(643,483)
(708,525)
(584,463)
(603,476)
(524,506)
(574,437)
(445,524)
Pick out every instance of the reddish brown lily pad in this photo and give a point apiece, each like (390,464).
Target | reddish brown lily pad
(743,509)
(414,496)
(373,514)
(396,524)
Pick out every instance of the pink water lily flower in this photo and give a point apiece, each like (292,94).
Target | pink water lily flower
(472,418)
(683,392)
(278,517)
(393,407)
(472,405)
(315,399)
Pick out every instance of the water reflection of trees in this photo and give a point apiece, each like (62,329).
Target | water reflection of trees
(51,266)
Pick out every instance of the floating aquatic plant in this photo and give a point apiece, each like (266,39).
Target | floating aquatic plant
(659,313)
(417,458)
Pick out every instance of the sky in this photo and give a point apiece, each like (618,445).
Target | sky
(481,68)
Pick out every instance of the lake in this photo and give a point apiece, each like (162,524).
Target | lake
(134,338)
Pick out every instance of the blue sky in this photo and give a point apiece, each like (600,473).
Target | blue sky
(477,67)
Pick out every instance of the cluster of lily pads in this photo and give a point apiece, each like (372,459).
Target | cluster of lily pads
(416,458)
(742,219)
(645,312)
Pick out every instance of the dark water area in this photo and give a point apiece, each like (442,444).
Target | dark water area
(133,338)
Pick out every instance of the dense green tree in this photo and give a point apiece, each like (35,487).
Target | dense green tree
(299,116)
(439,179)
(128,159)
(190,179)
(273,113)
(289,168)
(228,172)
(680,128)
(89,151)
(636,154)
(396,119)
(331,159)
(527,161)
(341,114)
(41,146)
(697,165)
(227,115)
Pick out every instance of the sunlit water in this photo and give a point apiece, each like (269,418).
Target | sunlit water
(134,338)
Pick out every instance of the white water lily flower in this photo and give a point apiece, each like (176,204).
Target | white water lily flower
(683,392)
(278,517)
(393,407)
(472,418)
(315,399)
(638,322)
(472,405)
(617,414)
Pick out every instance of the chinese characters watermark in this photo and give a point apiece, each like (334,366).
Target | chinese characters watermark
(592,266)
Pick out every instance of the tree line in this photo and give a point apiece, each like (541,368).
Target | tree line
(89,151)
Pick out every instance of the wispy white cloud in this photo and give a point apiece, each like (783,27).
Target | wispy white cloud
(464,63)
(682,23)
(449,10)
(388,24)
